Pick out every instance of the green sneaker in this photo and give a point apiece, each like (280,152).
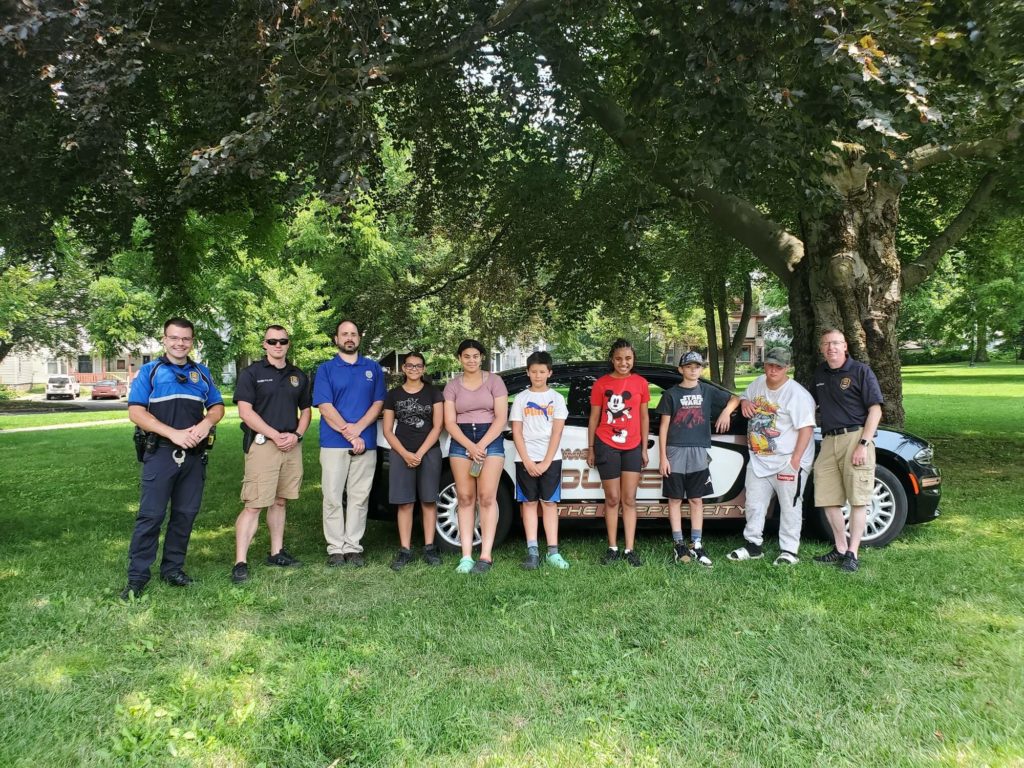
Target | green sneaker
(465,565)
(557,561)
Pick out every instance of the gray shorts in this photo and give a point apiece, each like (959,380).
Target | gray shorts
(686,459)
(407,484)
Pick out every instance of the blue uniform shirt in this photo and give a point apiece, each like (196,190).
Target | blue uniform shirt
(351,388)
(179,395)
(844,394)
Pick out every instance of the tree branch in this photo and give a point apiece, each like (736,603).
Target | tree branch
(474,264)
(776,248)
(934,154)
(917,272)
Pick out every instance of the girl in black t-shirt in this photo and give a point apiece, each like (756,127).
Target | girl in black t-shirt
(413,417)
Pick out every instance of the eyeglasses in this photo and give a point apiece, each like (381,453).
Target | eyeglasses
(275,342)
(413,366)
(832,343)
(179,339)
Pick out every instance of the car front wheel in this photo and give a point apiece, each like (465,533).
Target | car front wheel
(448,515)
(886,512)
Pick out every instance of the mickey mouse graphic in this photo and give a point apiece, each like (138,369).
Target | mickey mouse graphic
(618,412)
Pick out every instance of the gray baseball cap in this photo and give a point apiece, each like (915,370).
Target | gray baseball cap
(779,356)
(691,357)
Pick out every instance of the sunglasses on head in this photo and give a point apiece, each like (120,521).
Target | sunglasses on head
(275,342)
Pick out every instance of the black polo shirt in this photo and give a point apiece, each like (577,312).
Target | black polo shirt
(276,394)
(844,394)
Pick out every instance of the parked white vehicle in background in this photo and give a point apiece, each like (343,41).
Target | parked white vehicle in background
(63,385)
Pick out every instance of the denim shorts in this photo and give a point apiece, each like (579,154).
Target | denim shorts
(474,432)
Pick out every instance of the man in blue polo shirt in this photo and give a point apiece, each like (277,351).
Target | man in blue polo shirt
(349,391)
(174,401)
(850,400)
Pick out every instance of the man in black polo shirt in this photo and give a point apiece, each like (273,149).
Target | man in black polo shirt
(850,400)
(273,400)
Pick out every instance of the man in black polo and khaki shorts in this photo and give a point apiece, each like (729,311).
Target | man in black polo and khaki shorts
(274,404)
(850,400)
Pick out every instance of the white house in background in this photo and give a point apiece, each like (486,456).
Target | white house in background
(21,370)
(505,356)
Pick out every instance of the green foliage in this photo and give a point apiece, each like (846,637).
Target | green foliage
(7,393)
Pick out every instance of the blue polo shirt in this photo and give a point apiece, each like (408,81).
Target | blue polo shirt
(351,388)
(177,395)
(844,394)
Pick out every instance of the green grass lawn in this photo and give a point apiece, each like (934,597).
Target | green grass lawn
(916,660)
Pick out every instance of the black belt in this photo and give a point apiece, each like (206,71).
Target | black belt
(163,442)
(841,431)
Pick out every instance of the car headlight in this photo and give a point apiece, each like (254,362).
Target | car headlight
(925,456)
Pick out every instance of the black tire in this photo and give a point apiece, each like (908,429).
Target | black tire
(447,527)
(886,514)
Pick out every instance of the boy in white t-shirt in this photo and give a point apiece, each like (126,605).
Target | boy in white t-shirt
(780,431)
(538,416)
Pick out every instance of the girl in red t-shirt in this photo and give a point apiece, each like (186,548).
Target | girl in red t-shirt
(617,444)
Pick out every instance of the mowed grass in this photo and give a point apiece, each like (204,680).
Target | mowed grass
(916,660)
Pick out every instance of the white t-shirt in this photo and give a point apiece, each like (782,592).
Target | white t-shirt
(538,411)
(773,429)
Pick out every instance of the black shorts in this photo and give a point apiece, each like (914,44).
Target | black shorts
(547,487)
(612,462)
(406,484)
(692,485)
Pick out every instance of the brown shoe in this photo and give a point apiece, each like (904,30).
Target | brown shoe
(335,560)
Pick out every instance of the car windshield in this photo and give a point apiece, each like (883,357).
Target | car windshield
(106,383)
(58,380)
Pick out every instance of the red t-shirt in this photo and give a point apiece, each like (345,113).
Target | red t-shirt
(620,401)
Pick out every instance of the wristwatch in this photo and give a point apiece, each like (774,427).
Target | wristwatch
(865,442)
(298,436)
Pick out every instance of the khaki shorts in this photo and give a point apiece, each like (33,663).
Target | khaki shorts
(271,474)
(836,480)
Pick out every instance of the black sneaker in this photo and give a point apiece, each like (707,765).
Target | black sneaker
(430,555)
(531,562)
(402,559)
(681,553)
(701,556)
(336,560)
(832,557)
(633,558)
(850,562)
(611,556)
(177,579)
(480,567)
(133,591)
(282,559)
(240,573)
(356,559)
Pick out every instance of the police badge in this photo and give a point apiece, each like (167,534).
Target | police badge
(845,382)
(193,376)
(293,380)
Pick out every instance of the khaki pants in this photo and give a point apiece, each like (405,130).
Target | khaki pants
(342,473)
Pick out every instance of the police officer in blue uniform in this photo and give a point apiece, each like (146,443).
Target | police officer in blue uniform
(175,404)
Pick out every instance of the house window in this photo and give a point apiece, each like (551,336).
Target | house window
(745,355)
(760,328)
(84,364)
(121,364)
(56,366)
(496,362)
(146,359)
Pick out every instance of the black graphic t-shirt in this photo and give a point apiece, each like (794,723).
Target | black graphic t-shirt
(693,413)
(414,414)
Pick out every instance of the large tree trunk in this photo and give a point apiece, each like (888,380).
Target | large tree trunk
(980,340)
(853,284)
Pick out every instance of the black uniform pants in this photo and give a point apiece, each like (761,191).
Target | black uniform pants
(164,481)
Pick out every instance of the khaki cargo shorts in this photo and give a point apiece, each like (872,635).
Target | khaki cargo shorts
(836,479)
(271,474)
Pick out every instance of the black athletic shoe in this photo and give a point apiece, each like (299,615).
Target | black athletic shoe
(832,557)
(282,559)
(402,559)
(356,559)
(481,567)
(336,560)
(531,562)
(240,573)
(133,590)
(850,563)
(431,556)
(611,556)
(701,556)
(633,558)
(177,579)
(681,553)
